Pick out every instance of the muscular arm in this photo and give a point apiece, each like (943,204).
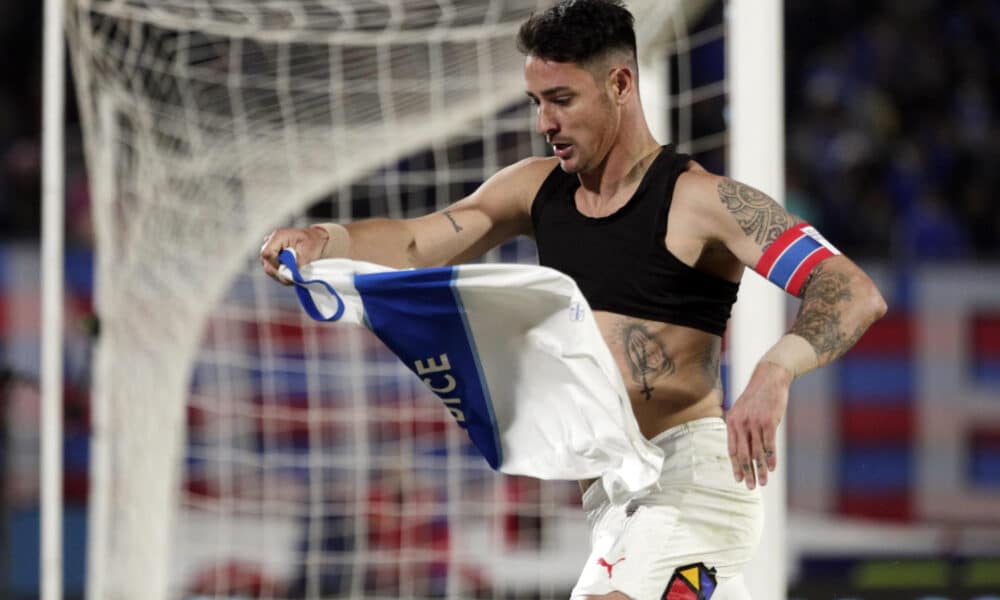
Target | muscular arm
(498,210)
(759,217)
(839,302)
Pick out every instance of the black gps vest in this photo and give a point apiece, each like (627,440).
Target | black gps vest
(620,262)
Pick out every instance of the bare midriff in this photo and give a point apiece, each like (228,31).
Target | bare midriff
(671,372)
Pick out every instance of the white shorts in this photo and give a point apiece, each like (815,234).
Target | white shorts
(695,534)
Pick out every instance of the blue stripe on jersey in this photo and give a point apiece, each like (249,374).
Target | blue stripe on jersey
(420,318)
(479,368)
(782,271)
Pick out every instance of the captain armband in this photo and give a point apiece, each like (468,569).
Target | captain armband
(788,261)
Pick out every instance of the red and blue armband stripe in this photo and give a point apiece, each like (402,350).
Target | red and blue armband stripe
(788,261)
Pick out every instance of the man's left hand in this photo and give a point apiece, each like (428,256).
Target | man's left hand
(753,421)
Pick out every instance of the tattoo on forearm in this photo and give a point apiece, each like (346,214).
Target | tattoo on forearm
(824,296)
(646,356)
(808,282)
(454,223)
(761,217)
(829,287)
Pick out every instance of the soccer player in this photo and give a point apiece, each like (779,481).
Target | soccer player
(657,245)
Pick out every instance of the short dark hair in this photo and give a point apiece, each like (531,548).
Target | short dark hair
(578,31)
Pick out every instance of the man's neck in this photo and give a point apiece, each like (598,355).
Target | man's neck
(625,163)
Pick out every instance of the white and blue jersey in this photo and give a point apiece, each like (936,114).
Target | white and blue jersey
(514,353)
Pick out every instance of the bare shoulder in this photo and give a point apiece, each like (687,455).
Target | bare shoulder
(507,195)
(530,172)
(696,194)
(521,181)
(696,184)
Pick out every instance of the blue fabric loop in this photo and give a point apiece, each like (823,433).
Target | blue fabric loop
(287,258)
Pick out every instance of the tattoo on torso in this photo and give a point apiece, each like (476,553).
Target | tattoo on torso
(454,223)
(711,361)
(646,356)
(758,214)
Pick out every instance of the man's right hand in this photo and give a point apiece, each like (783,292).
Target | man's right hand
(309,244)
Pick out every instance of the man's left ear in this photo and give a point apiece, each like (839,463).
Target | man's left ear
(622,83)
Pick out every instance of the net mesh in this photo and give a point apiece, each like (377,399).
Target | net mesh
(239,449)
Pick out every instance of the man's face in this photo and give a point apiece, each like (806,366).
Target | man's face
(575,113)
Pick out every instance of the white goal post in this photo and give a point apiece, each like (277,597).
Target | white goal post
(755,73)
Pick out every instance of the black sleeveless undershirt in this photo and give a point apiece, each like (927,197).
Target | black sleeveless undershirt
(620,262)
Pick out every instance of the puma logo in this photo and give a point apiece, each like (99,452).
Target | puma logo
(608,566)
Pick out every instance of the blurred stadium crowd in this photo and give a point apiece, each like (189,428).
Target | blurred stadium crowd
(891,125)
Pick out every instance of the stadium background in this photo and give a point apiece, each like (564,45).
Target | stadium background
(891,125)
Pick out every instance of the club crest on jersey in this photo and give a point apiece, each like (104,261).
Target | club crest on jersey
(691,582)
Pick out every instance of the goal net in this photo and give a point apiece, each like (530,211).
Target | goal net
(240,450)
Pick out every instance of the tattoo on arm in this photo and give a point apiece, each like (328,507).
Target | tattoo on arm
(824,296)
(646,356)
(454,223)
(758,215)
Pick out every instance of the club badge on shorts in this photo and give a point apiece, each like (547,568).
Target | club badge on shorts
(691,582)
